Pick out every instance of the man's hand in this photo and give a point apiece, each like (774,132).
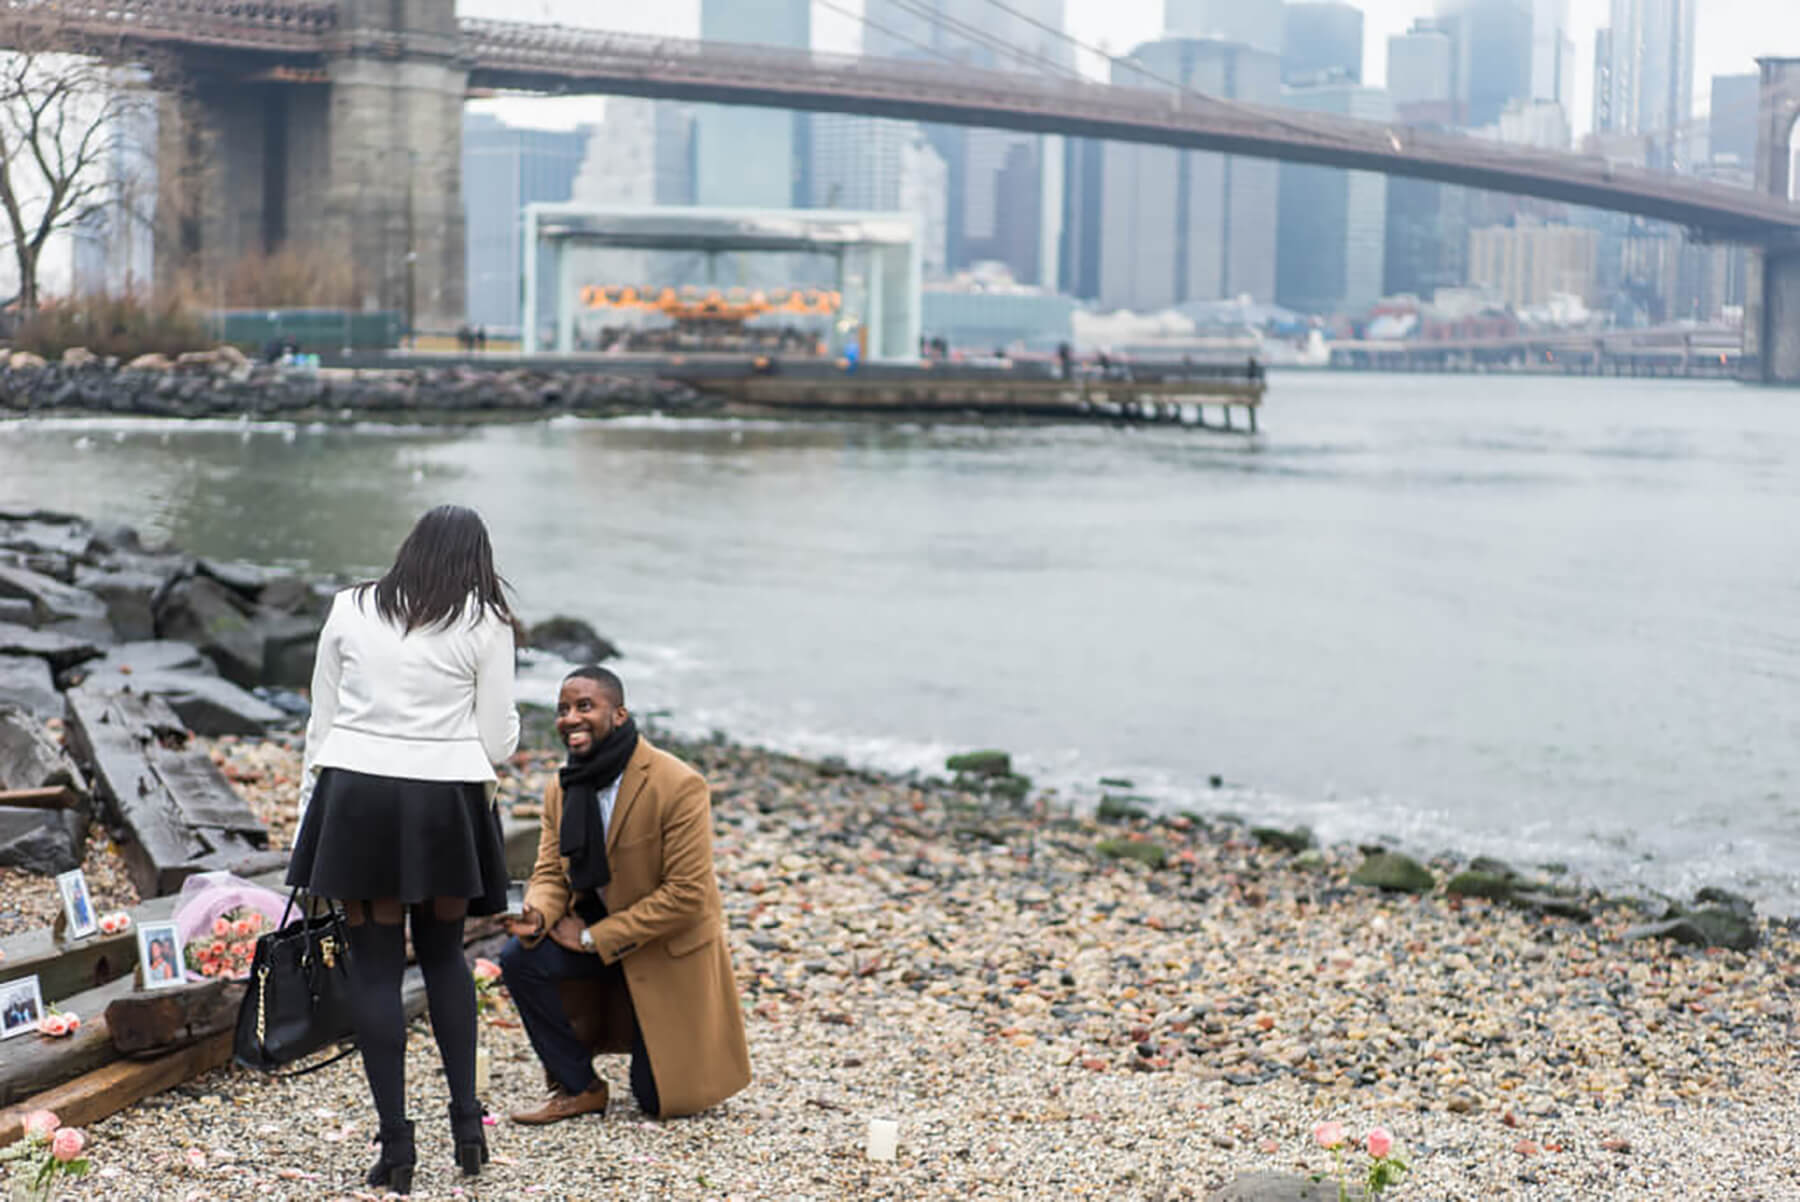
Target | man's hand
(567,934)
(528,925)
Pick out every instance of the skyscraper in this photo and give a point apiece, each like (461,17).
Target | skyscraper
(506,168)
(997,179)
(1332,235)
(1491,55)
(1189,225)
(1255,23)
(1321,40)
(1731,123)
(1651,78)
(1421,75)
(1552,53)
(880,164)
(753,157)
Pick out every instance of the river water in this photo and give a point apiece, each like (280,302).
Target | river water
(1553,620)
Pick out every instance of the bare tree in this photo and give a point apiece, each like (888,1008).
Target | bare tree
(60,116)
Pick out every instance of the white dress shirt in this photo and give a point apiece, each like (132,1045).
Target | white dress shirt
(607,800)
(435,704)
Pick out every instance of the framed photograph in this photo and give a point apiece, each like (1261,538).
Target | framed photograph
(159,955)
(78,907)
(21,1005)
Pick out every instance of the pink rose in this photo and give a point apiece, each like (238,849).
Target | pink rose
(1380,1142)
(41,1122)
(67,1144)
(1329,1135)
(221,926)
(74,1021)
(242,926)
(53,1024)
(486,970)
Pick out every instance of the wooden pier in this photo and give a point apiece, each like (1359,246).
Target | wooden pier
(1203,397)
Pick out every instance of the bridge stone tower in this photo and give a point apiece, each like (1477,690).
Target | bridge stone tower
(1772,308)
(359,163)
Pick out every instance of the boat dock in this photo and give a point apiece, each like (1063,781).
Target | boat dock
(1206,397)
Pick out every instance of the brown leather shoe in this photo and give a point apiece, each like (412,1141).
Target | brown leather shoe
(564,1105)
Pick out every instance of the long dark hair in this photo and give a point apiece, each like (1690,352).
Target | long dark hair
(444,561)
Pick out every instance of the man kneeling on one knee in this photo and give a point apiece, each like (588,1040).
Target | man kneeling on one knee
(624,895)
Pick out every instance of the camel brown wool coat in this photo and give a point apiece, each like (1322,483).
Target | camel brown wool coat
(664,927)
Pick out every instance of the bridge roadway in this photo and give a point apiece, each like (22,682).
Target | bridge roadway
(305,36)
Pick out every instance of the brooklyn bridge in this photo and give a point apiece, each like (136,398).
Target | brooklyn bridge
(338,125)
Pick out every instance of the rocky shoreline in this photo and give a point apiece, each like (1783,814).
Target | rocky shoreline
(1123,1004)
(224,383)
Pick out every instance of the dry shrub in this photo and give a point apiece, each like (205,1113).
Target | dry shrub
(289,278)
(124,325)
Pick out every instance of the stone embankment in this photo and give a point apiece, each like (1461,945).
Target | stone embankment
(223,382)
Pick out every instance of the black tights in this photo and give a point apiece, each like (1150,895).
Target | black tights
(377,963)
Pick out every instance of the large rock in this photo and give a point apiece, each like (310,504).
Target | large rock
(201,611)
(571,639)
(16,611)
(1392,872)
(290,644)
(58,650)
(129,598)
(156,655)
(43,841)
(206,704)
(52,601)
(53,533)
(1283,1187)
(245,579)
(30,759)
(26,684)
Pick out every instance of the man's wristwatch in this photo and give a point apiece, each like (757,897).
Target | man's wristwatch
(587,940)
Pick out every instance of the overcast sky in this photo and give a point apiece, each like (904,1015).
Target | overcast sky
(1730,34)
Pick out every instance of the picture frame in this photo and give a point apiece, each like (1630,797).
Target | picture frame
(160,956)
(79,917)
(21,1006)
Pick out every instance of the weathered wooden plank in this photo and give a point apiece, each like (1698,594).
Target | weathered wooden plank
(33,1063)
(203,795)
(65,968)
(106,1090)
(104,730)
(180,813)
(58,797)
(155,1022)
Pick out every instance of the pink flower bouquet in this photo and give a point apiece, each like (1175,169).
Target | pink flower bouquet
(58,1024)
(1385,1168)
(228,947)
(46,1152)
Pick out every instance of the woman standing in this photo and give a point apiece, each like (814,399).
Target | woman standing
(412,698)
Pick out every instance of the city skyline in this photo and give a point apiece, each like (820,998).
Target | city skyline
(1729,35)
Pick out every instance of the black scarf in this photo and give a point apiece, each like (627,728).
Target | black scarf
(583,837)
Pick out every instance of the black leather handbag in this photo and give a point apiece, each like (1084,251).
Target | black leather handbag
(299,995)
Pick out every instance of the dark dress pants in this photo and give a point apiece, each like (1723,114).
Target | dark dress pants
(532,975)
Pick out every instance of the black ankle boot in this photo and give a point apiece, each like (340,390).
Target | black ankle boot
(469,1134)
(395,1168)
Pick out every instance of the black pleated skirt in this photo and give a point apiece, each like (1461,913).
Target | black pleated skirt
(368,837)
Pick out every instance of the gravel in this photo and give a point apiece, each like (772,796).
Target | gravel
(1044,1022)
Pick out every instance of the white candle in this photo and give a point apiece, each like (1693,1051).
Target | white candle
(483,1063)
(884,1138)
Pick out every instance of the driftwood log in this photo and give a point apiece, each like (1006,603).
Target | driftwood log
(110,1088)
(154,1022)
(180,814)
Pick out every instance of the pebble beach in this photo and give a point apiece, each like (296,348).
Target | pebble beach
(1048,1021)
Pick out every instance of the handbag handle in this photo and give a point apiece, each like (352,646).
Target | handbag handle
(322,949)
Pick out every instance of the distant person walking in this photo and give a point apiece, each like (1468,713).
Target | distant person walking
(412,697)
